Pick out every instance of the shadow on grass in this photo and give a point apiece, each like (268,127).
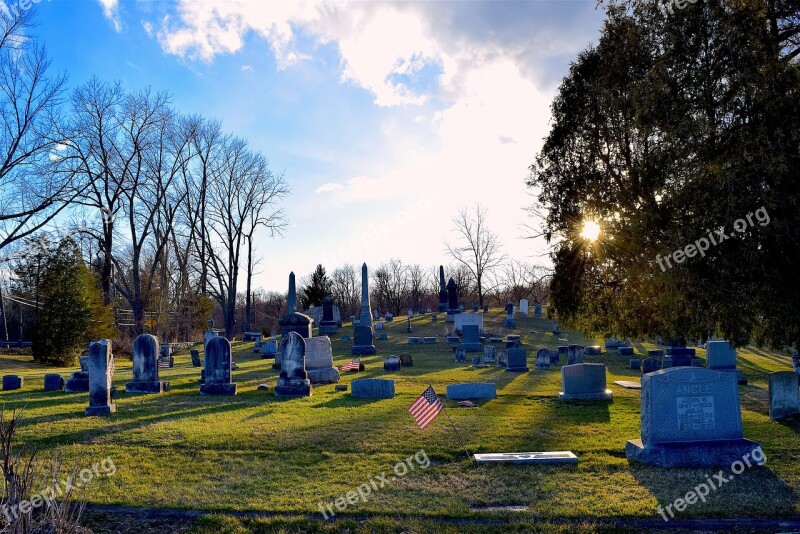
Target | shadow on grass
(774,497)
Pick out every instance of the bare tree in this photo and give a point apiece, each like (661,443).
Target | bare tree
(346,289)
(242,195)
(390,289)
(416,285)
(32,190)
(477,248)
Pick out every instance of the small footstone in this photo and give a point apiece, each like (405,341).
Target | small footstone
(340,387)
(262,387)
(555,457)
(628,384)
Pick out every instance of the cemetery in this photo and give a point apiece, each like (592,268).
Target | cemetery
(396,267)
(168,446)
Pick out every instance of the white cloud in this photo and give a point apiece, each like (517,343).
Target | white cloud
(247,68)
(328,187)
(111,13)
(148,28)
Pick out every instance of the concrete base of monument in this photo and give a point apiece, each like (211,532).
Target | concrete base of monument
(218,389)
(555,457)
(327,375)
(325,329)
(142,386)
(605,395)
(76,385)
(364,350)
(293,388)
(718,453)
(101,410)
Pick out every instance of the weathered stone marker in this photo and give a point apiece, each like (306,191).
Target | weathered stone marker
(101,371)
(293,381)
(145,366)
(218,379)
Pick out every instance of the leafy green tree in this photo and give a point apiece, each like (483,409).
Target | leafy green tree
(316,288)
(71,311)
(678,124)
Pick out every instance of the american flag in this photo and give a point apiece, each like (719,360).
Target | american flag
(467,404)
(354,365)
(163,364)
(426,407)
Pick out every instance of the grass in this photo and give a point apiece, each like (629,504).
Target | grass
(255,452)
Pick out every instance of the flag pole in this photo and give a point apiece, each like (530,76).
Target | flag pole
(454,427)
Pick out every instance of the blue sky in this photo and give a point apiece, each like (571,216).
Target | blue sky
(386,118)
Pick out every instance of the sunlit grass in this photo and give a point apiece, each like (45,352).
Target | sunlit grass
(257,452)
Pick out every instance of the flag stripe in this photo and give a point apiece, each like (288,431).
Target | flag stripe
(426,407)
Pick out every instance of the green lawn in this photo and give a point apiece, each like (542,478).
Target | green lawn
(255,452)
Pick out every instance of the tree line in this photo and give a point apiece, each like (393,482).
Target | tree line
(674,126)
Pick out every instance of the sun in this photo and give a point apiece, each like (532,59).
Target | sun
(591,230)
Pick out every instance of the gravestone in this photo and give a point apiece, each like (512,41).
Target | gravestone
(635,363)
(392,364)
(461,307)
(210,333)
(690,418)
(372,388)
(196,362)
(534,458)
(584,381)
(383,336)
(625,351)
(452,300)
(489,355)
(509,322)
(555,357)
(460,354)
(720,355)
(363,336)
(523,307)
(319,361)
(537,310)
(471,341)
(462,319)
(555,329)
(379,326)
(293,380)
(649,365)
(145,366)
(406,360)
(543,359)
(166,350)
(429,340)
(655,353)
(413,340)
(295,321)
(574,354)
(472,390)
(101,371)
(217,376)
(666,362)
(594,350)
(389,317)
(53,382)
(12,382)
(78,381)
(784,394)
(502,359)
(517,360)
(478,362)
(434,318)
(453,339)
(443,300)
(681,356)
(269,348)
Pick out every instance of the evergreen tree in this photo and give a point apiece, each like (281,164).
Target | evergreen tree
(317,288)
(678,123)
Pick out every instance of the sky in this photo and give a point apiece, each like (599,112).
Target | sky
(386,118)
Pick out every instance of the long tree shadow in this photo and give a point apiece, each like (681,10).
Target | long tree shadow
(755,492)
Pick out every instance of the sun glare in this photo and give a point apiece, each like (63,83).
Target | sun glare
(591,230)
